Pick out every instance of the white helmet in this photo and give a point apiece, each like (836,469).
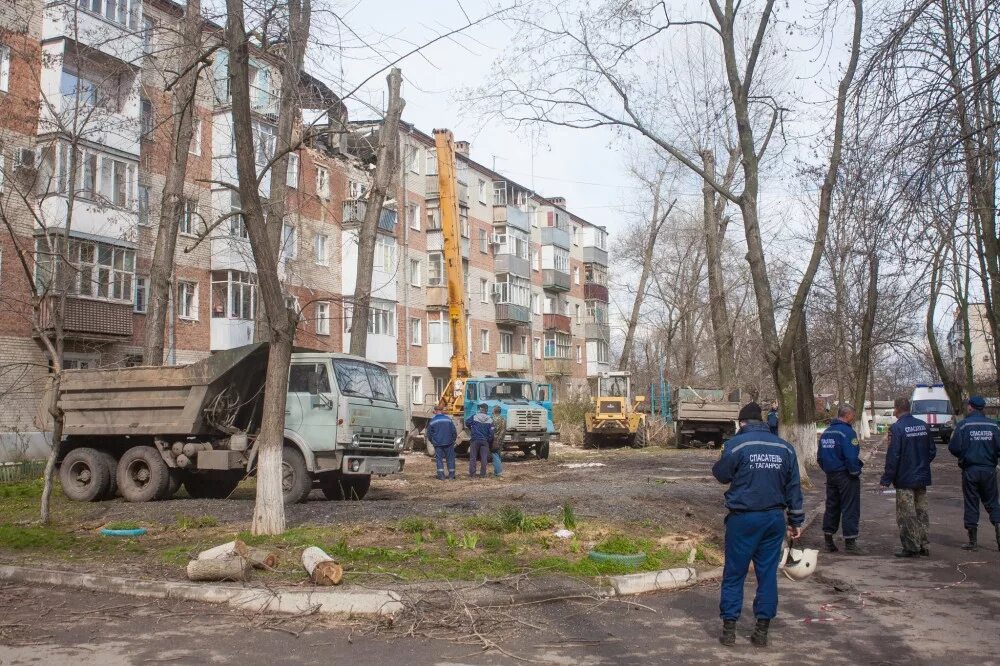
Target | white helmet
(798,563)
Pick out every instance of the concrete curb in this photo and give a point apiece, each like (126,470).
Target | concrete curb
(651,581)
(340,602)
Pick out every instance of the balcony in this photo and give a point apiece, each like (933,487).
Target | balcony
(512,216)
(100,123)
(554,280)
(354,213)
(434,189)
(513,363)
(558,236)
(230,333)
(437,297)
(89,216)
(88,319)
(439,354)
(596,368)
(435,242)
(595,292)
(509,314)
(232,253)
(557,367)
(378,348)
(595,255)
(63,20)
(556,322)
(512,264)
(594,330)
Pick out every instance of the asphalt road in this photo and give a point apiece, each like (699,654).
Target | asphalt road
(870,609)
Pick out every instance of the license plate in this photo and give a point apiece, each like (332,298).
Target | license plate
(384,469)
(532,439)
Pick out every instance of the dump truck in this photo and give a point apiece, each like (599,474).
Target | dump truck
(614,417)
(705,418)
(527,409)
(145,431)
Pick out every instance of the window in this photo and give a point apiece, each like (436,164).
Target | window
(413,216)
(576,275)
(145,119)
(435,269)
(289,241)
(484,241)
(413,158)
(536,304)
(189,218)
(234,295)
(79,91)
(506,343)
(597,312)
(237,225)
(538,347)
(438,387)
(499,193)
(484,291)
(292,176)
(319,245)
(416,331)
(576,313)
(438,328)
(4,68)
(322,319)
(432,162)
(143,205)
(513,289)
(122,12)
(579,354)
(534,259)
(417,390)
(433,219)
(484,340)
(73,361)
(382,317)
(356,189)
(187,300)
(148,26)
(557,345)
(482,191)
(416,272)
(602,351)
(195,148)
(524,345)
(141,295)
(265,138)
(322,182)
(463,223)
(576,235)
(95,270)
(385,253)
(301,374)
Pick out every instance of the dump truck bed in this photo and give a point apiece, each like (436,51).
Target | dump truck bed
(205,398)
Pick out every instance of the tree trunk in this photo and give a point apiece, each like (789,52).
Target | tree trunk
(867,348)
(951,387)
(230,549)
(227,568)
(385,159)
(656,223)
(56,450)
(725,352)
(269,510)
(171,206)
(262,558)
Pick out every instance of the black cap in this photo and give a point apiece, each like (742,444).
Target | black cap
(483,406)
(977,402)
(750,412)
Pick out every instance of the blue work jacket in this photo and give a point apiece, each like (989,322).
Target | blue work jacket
(839,448)
(441,430)
(911,450)
(976,441)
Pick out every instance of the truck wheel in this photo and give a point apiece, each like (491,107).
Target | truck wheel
(543,451)
(211,485)
(174,479)
(84,475)
(112,464)
(638,440)
(336,486)
(142,474)
(295,480)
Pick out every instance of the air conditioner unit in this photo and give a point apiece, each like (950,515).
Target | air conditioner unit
(495,239)
(24,159)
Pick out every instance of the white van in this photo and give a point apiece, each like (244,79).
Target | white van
(930,404)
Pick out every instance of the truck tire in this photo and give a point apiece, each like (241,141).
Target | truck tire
(142,474)
(174,479)
(639,440)
(211,485)
(84,475)
(542,451)
(112,464)
(295,480)
(336,486)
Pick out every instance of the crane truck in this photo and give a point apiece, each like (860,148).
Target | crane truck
(526,407)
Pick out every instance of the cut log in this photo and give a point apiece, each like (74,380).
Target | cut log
(228,568)
(177,448)
(183,461)
(230,549)
(322,568)
(262,558)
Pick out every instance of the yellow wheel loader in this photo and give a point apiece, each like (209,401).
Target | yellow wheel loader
(614,417)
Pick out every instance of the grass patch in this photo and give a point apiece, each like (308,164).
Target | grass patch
(509,519)
(568,517)
(35,537)
(618,544)
(415,525)
(123,525)
(22,489)
(184,523)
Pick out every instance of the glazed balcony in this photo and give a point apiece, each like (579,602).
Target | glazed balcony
(557,322)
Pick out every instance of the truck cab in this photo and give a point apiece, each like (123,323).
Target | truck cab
(526,408)
(930,404)
(343,417)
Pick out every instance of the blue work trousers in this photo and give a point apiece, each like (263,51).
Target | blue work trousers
(442,454)
(843,498)
(979,484)
(754,536)
(497,463)
(479,450)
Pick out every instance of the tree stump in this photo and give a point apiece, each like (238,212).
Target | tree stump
(322,568)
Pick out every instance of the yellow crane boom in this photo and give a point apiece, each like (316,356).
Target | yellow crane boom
(453,397)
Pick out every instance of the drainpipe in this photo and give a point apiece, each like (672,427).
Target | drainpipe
(403,210)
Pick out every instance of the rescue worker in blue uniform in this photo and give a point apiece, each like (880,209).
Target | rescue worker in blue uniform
(772,420)
(838,458)
(442,434)
(908,468)
(976,444)
(763,476)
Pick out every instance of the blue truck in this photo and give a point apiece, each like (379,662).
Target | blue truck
(526,407)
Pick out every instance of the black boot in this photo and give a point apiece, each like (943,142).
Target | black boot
(972,545)
(902,552)
(925,551)
(997,528)
(759,636)
(852,547)
(728,636)
(831,547)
